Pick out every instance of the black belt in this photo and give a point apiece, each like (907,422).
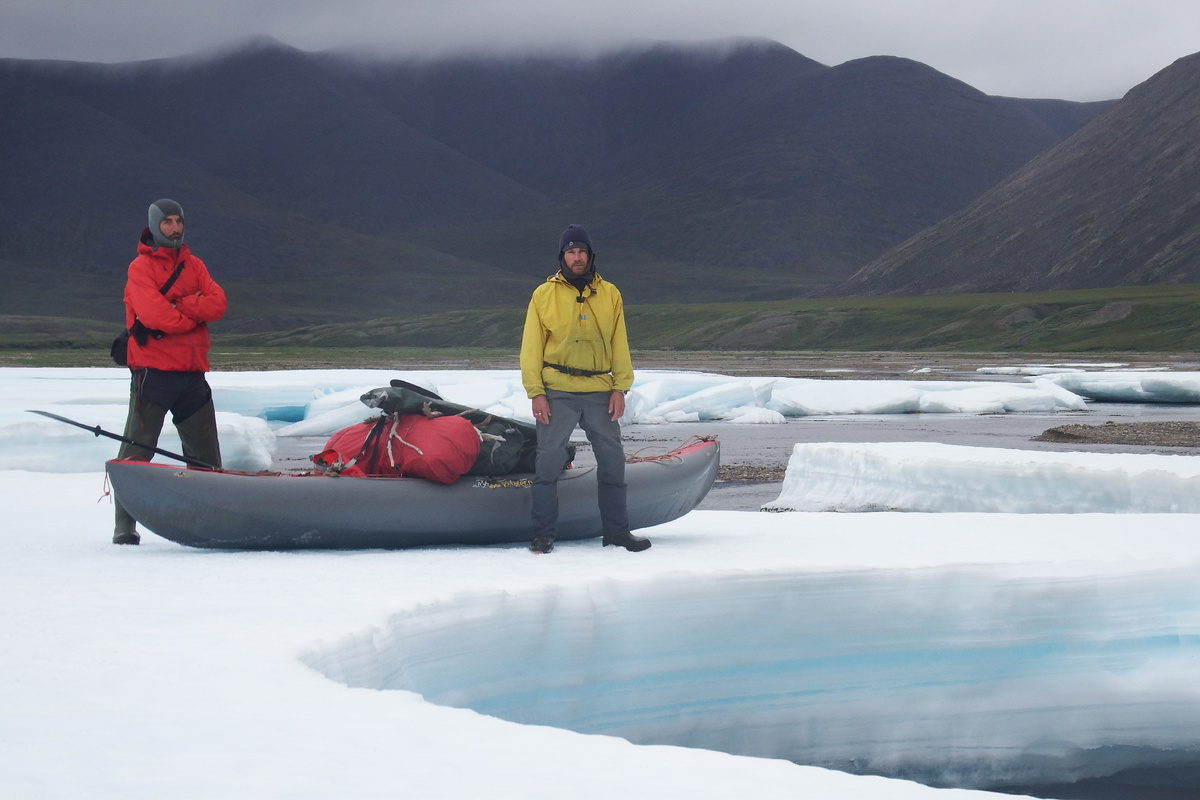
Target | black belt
(578,373)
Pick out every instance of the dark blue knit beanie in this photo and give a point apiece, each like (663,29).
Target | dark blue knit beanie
(574,236)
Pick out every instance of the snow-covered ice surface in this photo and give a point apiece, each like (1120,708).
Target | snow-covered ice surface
(928,476)
(1131,387)
(965,649)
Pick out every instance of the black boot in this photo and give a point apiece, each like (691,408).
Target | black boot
(634,544)
(127,537)
(542,544)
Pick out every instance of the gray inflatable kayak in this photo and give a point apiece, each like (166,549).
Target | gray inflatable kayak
(275,511)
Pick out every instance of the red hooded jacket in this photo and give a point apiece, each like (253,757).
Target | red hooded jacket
(182,314)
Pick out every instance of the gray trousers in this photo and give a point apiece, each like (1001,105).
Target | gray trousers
(144,423)
(588,410)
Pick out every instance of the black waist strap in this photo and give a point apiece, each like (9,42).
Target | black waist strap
(578,373)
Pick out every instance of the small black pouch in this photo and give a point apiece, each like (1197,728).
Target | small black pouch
(120,349)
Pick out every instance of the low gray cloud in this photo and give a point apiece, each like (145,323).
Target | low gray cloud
(1074,49)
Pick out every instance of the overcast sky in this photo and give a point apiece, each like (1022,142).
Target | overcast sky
(1070,49)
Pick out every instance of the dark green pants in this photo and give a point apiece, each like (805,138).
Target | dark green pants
(153,393)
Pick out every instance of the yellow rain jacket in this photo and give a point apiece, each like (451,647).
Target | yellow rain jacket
(587,335)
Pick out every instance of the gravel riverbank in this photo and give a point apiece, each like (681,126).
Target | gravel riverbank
(1173,433)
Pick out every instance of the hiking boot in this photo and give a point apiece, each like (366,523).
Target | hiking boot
(542,544)
(634,544)
(127,537)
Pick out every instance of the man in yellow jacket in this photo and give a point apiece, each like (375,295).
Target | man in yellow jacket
(576,368)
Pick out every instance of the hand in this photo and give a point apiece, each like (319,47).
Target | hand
(616,405)
(541,410)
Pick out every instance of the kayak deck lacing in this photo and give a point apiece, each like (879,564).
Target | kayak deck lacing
(671,455)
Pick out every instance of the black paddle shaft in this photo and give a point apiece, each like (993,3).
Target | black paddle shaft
(101,432)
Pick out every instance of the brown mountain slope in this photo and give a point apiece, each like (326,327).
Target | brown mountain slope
(1116,203)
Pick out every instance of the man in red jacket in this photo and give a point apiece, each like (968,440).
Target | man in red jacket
(168,348)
